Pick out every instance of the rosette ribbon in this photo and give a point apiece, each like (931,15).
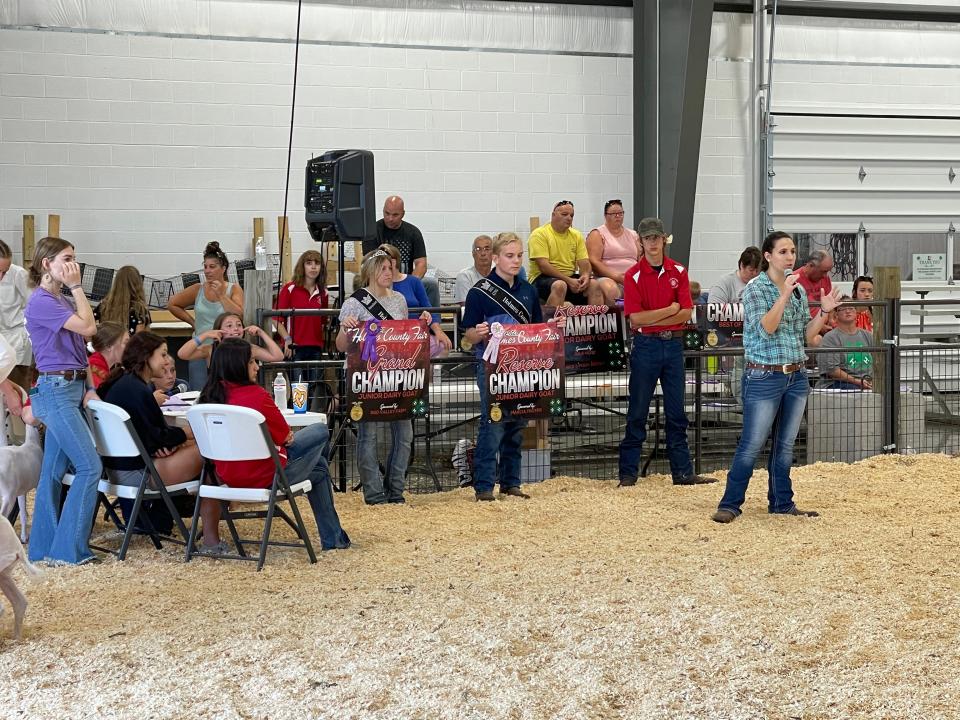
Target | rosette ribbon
(368,347)
(493,344)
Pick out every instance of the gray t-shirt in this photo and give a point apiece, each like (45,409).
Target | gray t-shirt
(728,289)
(394,303)
(853,362)
(466,279)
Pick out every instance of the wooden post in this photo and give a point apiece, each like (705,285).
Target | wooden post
(886,286)
(29,239)
(257,233)
(534,222)
(286,253)
(53,226)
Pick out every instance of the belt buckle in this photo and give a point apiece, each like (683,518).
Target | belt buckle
(666,334)
(785,369)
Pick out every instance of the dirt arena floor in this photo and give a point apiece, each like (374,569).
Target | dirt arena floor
(586,601)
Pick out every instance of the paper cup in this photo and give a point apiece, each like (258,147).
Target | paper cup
(300,397)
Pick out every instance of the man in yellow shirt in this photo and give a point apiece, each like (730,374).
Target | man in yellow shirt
(560,268)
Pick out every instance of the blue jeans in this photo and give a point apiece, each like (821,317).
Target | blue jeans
(653,359)
(65,538)
(432,287)
(401,440)
(307,459)
(504,437)
(773,405)
(197,373)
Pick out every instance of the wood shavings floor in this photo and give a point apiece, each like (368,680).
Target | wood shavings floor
(586,601)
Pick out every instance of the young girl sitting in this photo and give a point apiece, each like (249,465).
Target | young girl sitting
(230,325)
(108,346)
(232,380)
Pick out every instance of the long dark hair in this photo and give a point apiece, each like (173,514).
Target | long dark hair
(228,364)
(769,243)
(136,356)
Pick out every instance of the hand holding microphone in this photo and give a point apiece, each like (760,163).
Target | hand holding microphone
(790,284)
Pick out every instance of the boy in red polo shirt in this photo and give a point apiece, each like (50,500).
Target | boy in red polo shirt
(656,299)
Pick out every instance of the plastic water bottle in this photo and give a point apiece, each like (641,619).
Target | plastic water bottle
(260,255)
(280,391)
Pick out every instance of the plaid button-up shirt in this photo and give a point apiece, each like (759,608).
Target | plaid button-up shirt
(785,345)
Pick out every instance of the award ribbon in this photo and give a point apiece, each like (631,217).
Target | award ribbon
(368,349)
(493,345)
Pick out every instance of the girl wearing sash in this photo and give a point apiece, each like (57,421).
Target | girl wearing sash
(499,299)
(377,300)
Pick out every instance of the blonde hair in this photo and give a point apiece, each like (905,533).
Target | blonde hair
(125,294)
(372,263)
(299,270)
(503,239)
(392,251)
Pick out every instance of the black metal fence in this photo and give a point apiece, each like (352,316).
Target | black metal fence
(913,406)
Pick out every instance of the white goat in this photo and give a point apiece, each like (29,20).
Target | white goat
(11,551)
(19,474)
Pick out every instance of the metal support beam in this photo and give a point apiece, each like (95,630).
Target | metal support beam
(671,48)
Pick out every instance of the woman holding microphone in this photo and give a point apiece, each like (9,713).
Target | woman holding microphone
(58,329)
(776,322)
(209,300)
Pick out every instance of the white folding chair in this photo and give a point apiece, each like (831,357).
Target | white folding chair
(115,437)
(228,433)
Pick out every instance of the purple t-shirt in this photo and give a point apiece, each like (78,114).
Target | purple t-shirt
(54,347)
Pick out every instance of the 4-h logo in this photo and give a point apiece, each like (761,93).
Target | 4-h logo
(419,407)
(556,406)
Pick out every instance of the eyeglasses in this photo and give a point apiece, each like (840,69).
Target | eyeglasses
(482,250)
(608,203)
(615,214)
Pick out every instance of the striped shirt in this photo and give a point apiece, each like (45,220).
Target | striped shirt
(785,345)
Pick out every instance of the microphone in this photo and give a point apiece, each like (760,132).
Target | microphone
(796,288)
(180,388)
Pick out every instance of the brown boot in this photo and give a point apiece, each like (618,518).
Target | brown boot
(515,492)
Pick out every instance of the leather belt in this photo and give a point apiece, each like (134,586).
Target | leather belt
(68,375)
(664,334)
(785,369)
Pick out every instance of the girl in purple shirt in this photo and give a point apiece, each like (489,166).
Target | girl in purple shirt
(58,327)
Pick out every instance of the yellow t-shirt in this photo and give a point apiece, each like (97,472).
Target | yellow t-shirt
(561,249)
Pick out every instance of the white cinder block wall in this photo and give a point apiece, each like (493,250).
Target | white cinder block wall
(150,146)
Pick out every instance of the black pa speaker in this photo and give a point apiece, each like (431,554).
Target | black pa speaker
(340,195)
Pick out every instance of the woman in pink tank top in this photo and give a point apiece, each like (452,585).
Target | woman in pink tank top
(613,249)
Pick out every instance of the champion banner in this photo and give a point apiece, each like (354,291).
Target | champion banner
(593,338)
(524,373)
(388,371)
(720,324)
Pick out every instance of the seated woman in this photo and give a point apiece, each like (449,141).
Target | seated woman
(229,325)
(173,449)
(613,249)
(232,380)
(411,287)
(108,346)
(167,384)
(846,368)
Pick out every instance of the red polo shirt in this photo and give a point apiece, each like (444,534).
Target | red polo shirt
(644,289)
(813,288)
(306,331)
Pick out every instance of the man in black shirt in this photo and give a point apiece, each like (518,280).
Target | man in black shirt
(408,240)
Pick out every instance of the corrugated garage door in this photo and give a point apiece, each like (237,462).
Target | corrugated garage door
(894,177)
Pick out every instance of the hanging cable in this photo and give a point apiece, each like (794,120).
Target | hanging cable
(284,230)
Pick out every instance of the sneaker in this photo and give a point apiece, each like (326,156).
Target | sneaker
(693,480)
(485,496)
(797,511)
(219,549)
(724,516)
(627,482)
(515,492)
